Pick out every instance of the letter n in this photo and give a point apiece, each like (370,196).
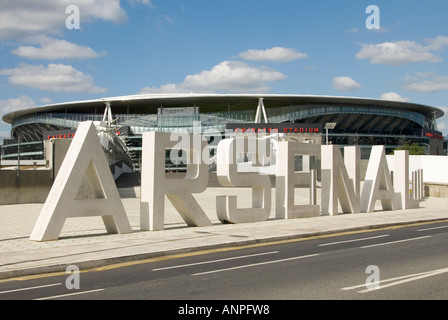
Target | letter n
(84,162)
(340,179)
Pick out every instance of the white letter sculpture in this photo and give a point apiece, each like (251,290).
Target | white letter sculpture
(401,179)
(228,176)
(155,184)
(84,158)
(340,179)
(287,179)
(378,183)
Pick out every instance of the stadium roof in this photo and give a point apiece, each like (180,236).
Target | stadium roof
(213,102)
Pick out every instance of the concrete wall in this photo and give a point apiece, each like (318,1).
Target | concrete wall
(30,186)
(435,168)
(435,173)
(55,150)
(33,186)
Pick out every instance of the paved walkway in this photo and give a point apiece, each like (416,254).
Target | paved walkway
(85,243)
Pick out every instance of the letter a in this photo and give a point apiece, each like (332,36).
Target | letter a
(84,158)
(378,183)
(73,20)
(373,21)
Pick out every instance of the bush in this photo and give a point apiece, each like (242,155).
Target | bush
(414,149)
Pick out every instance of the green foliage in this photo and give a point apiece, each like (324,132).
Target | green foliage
(414,149)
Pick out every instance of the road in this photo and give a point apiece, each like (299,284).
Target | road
(393,263)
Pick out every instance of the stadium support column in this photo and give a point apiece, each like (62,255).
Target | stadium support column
(260,110)
(107,117)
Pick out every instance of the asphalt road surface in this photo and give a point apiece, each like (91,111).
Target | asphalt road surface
(393,263)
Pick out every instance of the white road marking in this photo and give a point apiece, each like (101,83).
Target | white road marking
(213,261)
(31,288)
(69,294)
(398,280)
(433,228)
(254,264)
(393,242)
(353,240)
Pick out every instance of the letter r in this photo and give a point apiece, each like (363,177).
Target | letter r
(155,185)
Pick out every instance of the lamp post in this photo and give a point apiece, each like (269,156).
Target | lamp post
(329,125)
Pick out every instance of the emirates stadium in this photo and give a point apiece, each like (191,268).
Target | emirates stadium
(338,120)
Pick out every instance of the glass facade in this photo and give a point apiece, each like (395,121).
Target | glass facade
(357,124)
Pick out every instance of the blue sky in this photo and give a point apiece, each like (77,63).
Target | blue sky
(234,46)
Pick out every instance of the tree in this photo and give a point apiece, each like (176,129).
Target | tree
(414,149)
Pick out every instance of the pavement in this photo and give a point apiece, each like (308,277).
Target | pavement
(85,243)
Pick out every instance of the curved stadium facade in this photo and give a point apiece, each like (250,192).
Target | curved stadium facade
(359,121)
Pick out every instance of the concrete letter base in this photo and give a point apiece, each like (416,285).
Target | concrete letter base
(85,158)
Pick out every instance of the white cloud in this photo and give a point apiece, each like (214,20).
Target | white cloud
(46,100)
(15,104)
(393,96)
(345,84)
(228,76)
(276,54)
(4,135)
(162,21)
(437,43)
(442,123)
(55,49)
(165,88)
(109,10)
(22,18)
(233,76)
(352,30)
(444,109)
(53,77)
(11,105)
(166,18)
(402,52)
(146,2)
(426,82)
